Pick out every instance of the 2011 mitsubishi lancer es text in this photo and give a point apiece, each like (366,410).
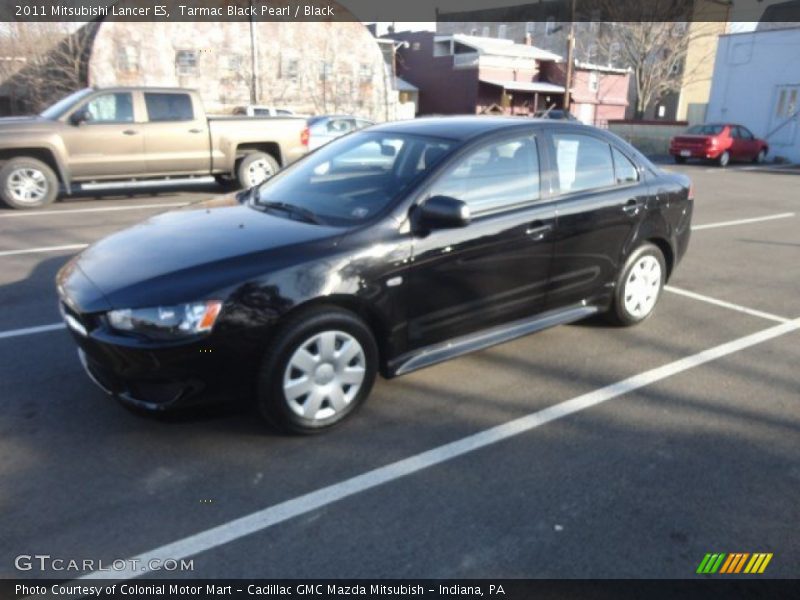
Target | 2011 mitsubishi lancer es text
(388,250)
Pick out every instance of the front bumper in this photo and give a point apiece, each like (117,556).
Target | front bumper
(158,377)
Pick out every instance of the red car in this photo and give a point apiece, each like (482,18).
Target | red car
(721,142)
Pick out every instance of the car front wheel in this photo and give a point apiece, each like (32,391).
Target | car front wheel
(27,183)
(639,286)
(320,368)
(724,159)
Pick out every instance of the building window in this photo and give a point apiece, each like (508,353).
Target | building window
(594,81)
(365,73)
(234,63)
(550,26)
(613,53)
(502,31)
(290,68)
(485,31)
(128,59)
(415,47)
(186,62)
(325,71)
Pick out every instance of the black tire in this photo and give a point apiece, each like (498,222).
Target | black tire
(619,313)
(243,170)
(36,171)
(272,401)
(680,160)
(760,157)
(724,159)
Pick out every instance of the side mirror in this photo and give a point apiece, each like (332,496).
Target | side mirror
(79,116)
(443,212)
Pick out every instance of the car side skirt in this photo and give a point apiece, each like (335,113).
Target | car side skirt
(442,351)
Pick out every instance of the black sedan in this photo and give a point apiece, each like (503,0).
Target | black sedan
(385,251)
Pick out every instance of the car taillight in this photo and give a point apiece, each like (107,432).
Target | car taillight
(712,141)
(304,135)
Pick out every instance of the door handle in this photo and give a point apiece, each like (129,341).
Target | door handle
(632,206)
(130,132)
(537,230)
(196,130)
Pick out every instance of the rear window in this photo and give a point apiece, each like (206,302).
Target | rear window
(705,129)
(168,107)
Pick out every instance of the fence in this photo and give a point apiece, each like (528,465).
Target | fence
(649,137)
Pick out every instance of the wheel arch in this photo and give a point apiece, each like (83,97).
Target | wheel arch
(271,148)
(44,154)
(666,249)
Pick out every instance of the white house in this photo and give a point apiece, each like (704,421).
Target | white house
(756,83)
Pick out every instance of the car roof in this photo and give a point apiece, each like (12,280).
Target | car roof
(461,128)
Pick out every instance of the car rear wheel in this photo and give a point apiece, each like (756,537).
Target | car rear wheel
(639,286)
(320,368)
(27,183)
(724,159)
(760,157)
(256,168)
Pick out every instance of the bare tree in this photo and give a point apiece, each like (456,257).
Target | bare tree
(45,61)
(656,51)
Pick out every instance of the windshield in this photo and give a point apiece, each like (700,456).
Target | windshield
(353,178)
(705,129)
(62,106)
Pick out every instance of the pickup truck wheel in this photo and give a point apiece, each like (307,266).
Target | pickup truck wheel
(256,168)
(27,183)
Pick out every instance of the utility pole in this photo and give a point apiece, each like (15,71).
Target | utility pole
(253,59)
(570,54)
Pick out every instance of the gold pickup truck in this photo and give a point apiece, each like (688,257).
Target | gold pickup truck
(97,136)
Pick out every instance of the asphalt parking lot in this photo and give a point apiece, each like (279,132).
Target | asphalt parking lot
(583,451)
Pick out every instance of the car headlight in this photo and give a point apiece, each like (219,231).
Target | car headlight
(167,322)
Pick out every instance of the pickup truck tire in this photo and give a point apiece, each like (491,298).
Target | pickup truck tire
(255,168)
(27,183)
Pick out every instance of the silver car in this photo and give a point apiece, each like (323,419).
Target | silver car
(326,128)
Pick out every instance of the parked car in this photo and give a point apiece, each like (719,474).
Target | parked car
(454,235)
(103,135)
(256,110)
(322,129)
(555,113)
(721,142)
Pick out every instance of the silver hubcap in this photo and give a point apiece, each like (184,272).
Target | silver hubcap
(724,159)
(643,286)
(258,171)
(27,185)
(324,375)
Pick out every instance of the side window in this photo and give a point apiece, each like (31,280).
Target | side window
(498,175)
(745,133)
(340,126)
(168,107)
(110,108)
(735,133)
(624,170)
(584,162)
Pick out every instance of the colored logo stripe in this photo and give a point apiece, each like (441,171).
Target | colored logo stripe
(734,563)
(758,563)
(710,563)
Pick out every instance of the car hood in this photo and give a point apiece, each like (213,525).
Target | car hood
(188,255)
(20,124)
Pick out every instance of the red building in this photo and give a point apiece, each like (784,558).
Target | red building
(462,74)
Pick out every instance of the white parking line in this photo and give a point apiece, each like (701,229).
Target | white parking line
(741,221)
(75,211)
(31,330)
(43,249)
(278,513)
(724,304)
